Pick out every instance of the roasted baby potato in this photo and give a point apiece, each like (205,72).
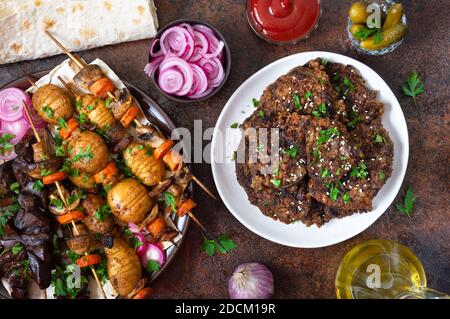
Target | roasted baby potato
(143,164)
(83,181)
(51,103)
(88,152)
(129,201)
(124,267)
(96,111)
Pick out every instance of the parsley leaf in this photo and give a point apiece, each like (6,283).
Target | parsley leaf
(38,185)
(379,139)
(363,33)
(320,110)
(234,125)
(346,198)
(413,86)
(5,146)
(276,182)
(291,151)
(378,37)
(359,171)
(170,201)
(327,135)
(261,113)
(408,203)
(296,99)
(15,187)
(382,175)
(102,213)
(255,102)
(153,265)
(211,246)
(324,173)
(49,112)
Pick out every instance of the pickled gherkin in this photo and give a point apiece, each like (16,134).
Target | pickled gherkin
(389,36)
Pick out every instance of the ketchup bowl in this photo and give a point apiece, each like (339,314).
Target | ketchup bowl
(189,61)
(283,21)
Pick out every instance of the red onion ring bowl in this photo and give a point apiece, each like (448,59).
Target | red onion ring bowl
(226,61)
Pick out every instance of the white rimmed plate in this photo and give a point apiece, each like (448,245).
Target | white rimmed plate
(225,141)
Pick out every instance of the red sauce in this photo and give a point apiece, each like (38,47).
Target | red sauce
(283,20)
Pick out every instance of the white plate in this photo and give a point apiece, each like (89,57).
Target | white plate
(297,234)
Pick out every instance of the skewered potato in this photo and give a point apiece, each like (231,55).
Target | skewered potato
(143,164)
(52,103)
(88,152)
(83,181)
(96,223)
(124,267)
(129,201)
(96,111)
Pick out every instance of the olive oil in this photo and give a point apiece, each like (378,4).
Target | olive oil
(380,269)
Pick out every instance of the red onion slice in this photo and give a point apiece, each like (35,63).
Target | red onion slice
(178,41)
(18,128)
(184,67)
(200,80)
(11,104)
(151,67)
(152,252)
(152,52)
(170,80)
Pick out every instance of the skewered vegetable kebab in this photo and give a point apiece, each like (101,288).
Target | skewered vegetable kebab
(147,168)
(130,210)
(72,216)
(91,78)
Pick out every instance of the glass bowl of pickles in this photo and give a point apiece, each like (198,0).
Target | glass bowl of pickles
(376,27)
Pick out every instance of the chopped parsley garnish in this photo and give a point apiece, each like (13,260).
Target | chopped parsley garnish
(78,105)
(102,213)
(324,173)
(38,185)
(108,101)
(276,182)
(62,123)
(57,202)
(6,213)
(324,61)
(102,271)
(348,83)
(60,151)
(46,172)
(346,198)
(49,112)
(355,120)
(382,175)
(261,113)
(334,192)
(359,171)
(149,151)
(223,245)
(307,95)
(73,172)
(379,139)
(255,102)
(5,146)
(17,248)
(296,99)
(260,147)
(140,147)
(408,203)
(15,187)
(90,107)
(153,265)
(82,118)
(170,201)
(320,110)
(327,135)
(234,125)
(82,154)
(291,151)
(413,86)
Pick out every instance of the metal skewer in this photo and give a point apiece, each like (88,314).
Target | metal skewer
(61,194)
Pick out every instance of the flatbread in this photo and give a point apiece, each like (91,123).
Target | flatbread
(77,24)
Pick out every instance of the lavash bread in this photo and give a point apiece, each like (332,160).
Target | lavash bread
(77,24)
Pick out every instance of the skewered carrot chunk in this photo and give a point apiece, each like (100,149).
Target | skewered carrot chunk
(55,177)
(129,116)
(89,260)
(156,226)
(101,87)
(185,207)
(174,160)
(69,217)
(65,132)
(143,293)
(107,173)
(162,149)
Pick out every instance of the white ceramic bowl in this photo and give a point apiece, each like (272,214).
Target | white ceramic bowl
(239,107)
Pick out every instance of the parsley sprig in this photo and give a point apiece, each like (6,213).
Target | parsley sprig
(223,245)
(413,86)
(407,206)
